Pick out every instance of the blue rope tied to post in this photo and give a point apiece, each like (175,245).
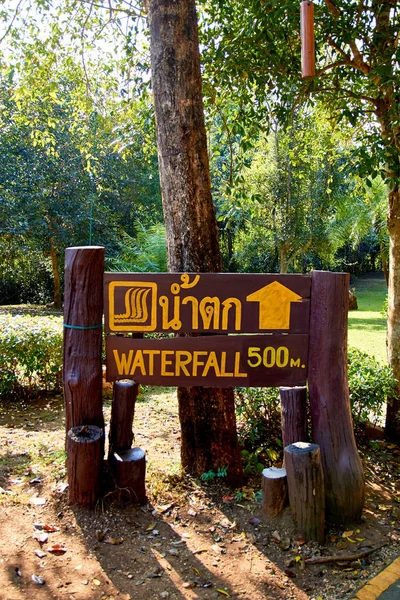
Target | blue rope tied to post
(82,326)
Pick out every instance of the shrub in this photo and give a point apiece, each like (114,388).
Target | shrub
(30,355)
(370,384)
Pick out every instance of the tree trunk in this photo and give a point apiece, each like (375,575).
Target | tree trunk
(392,430)
(122,413)
(274,492)
(332,427)
(209,437)
(56,276)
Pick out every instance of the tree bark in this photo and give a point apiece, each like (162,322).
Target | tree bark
(294,414)
(392,429)
(83,311)
(122,414)
(129,469)
(274,491)
(332,427)
(305,481)
(84,462)
(207,416)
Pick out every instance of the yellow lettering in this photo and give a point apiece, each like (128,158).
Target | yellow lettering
(138,363)
(282,356)
(165,363)
(269,357)
(237,372)
(223,366)
(196,362)
(123,363)
(174,323)
(212,362)
(227,305)
(151,354)
(254,352)
(183,358)
(295,363)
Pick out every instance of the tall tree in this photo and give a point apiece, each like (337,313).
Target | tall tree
(207,416)
(254,47)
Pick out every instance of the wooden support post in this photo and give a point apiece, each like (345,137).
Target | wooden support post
(85,446)
(274,491)
(306,489)
(331,421)
(83,311)
(294,414)
(122,413)
(129,468)
(307,39)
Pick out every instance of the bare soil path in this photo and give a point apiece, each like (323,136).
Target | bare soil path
(192,541)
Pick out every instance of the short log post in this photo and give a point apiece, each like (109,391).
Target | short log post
(294,414)
(274,492)
(83,312)
(307,39)
(306,489)
(331,420)
(85,446)
(129,468)
(122,414)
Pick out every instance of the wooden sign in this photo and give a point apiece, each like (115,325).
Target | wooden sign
(206,302)
(215,361)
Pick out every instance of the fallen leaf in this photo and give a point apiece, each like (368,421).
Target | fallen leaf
(384,507)
(96,582)
(38,501)
(157,572)
(254,521)
(151,526)
(196,571)
(50,528)
(347,534)
(40,553)
(57,549)
(38,580)
(228,498)
(223,592)
(351,540)
(41,537)
(113,541)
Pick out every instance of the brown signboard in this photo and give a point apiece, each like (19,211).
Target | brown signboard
(216,361)
(206,302)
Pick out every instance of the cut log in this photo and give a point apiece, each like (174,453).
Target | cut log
(331,421)
(129,469)
(274,491)
(306,489)
(85,445)
(294,414)
(83,312)
(122,414)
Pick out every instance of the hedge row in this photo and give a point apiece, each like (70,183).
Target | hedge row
(30,355)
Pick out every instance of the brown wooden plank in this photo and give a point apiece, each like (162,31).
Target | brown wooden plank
(206,302)
(216,361)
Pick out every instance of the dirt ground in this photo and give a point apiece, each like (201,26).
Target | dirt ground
(192,540)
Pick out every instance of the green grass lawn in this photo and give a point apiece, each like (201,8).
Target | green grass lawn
(367,326)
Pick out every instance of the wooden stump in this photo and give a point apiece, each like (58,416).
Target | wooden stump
(85,446)
(129,469)
(331,421)
(306,489)
(274,491)
(294,414)
(83,312)
(122,414)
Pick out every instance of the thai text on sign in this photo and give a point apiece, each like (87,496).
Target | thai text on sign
(206,302)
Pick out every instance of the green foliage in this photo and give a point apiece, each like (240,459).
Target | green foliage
(145,253)
(211,475)
(30,355)
(256,409)
(370,385)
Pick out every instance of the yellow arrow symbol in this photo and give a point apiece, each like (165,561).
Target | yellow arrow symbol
(274,300)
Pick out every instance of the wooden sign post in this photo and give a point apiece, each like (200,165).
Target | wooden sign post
(307,39)
(278,330)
